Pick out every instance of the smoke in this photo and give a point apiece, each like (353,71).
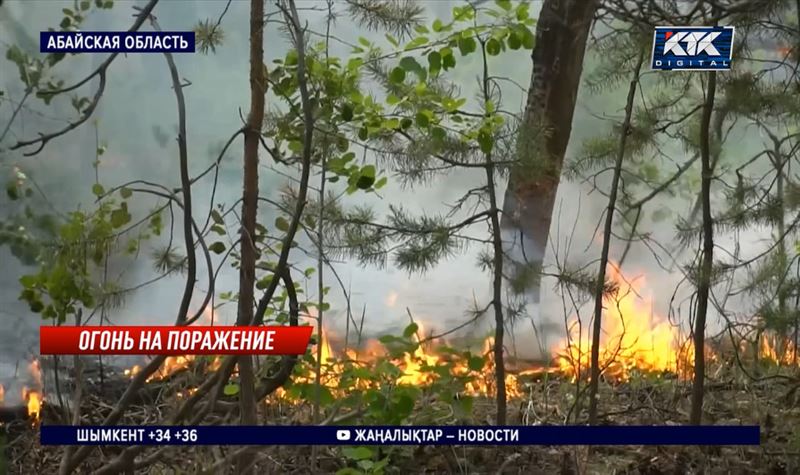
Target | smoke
(137,114)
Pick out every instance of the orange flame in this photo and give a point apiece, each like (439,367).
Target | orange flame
(416,367)
(33,400)
(780,351)
(34,397)
(633,337)
(2,394)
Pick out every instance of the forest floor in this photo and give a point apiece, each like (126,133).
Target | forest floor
(733,398)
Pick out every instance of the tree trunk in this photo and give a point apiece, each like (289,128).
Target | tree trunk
(601,275)
(704,276)
(247,270)
(561,33)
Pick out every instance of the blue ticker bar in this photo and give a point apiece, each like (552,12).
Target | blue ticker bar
(400,435)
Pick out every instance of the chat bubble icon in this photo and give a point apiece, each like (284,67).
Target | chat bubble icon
(343,435)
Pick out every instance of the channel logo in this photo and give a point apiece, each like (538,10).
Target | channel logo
(342,435)
(692,48)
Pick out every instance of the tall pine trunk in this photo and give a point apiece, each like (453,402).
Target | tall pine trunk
(704,276)
(561,32)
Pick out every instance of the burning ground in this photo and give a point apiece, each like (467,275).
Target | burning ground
(418,378)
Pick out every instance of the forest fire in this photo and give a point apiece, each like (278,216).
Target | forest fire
(633,337)
(417,368)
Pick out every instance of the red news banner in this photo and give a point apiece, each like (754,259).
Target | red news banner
(171,340)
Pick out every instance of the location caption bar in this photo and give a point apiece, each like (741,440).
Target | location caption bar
(116,42)
(405,435)
(174,340)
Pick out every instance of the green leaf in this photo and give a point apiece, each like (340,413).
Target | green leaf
(366,178)
(437,25)
(282,224)
(422,119)
(504,4)
(528,38)
(387,339)
(120,217)
(97,189)
(448,61)
(434,62)
(410,330)
(357,453)
(354,63)
(514,40)
(264,283)
(466,45)
(493,47)
(409,64)
(347,112)
(231,389)
(522,12)
(476,363)
(438,134)
(36,306)
(404,404)
(217,248)
(217,217)
(398,75)
(416,42)
(291,58)
(485,141)
(125,192)
(28,281)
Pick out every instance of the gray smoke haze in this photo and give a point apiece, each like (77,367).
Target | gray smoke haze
(137,123)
